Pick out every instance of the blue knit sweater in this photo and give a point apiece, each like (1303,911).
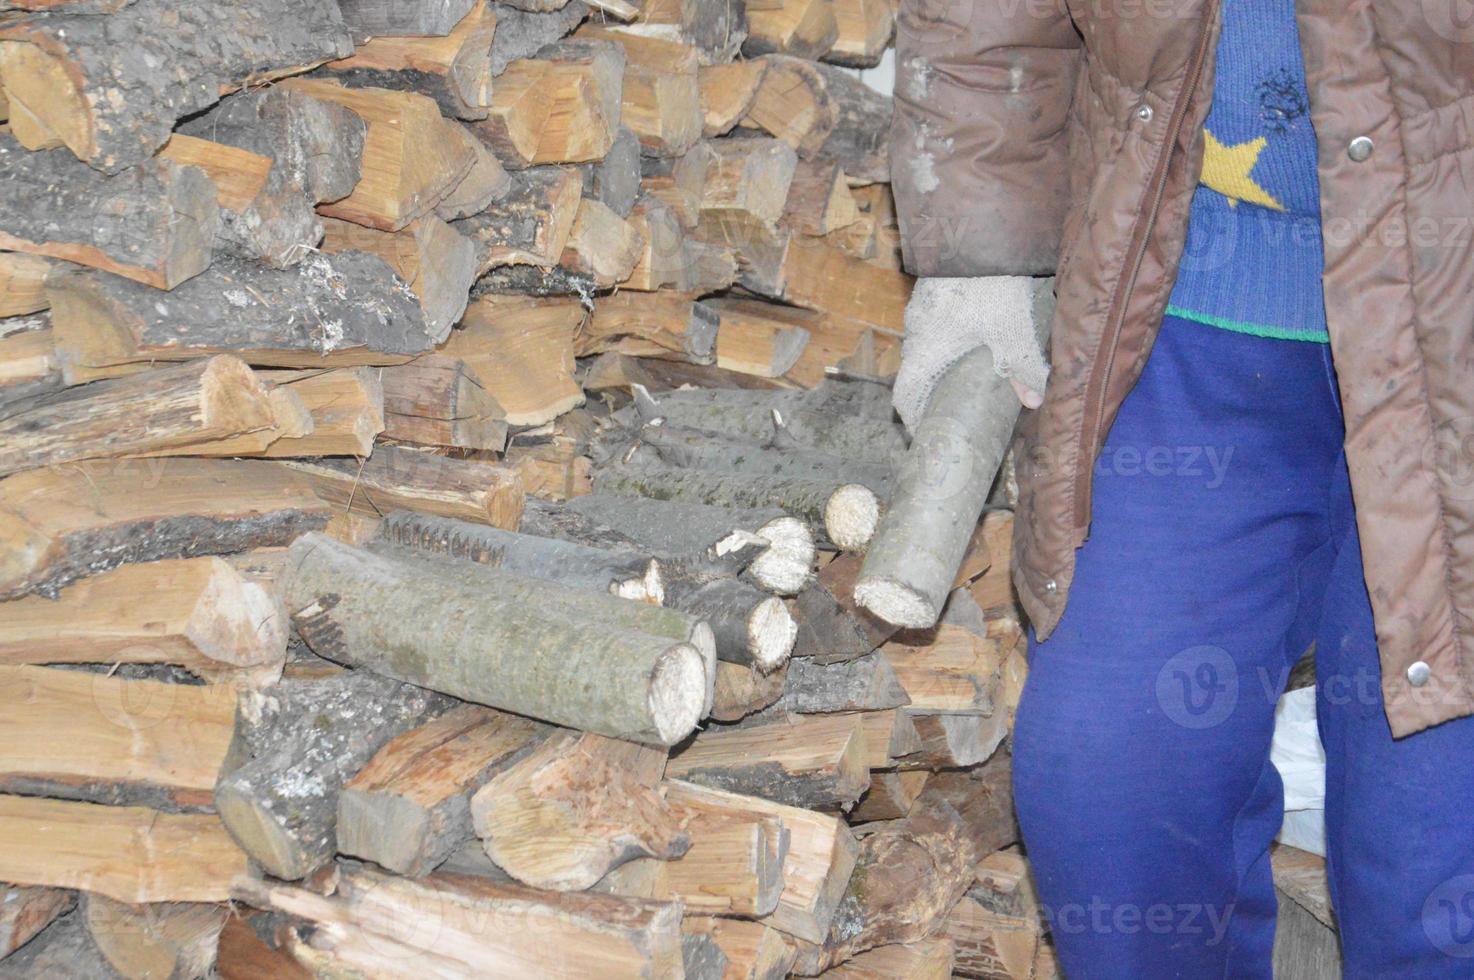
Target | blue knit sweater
(1254,258)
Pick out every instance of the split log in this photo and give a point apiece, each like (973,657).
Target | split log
(824,113)
(660,101)
(727,92)
(159,940)
(409,808)
(890,796)
(29,366)
(832,627)
(866,684)
(328,311)
(251,947)
(623,371)
(481,928)
(454,68)
(521,33)
(910,874)
(865,31)
(84,736)
(200,614)
(484,184)
(413,157)
(378,18)
(629,574)
(615,180)
(953,671)
(26,911)
(546,797)
(561,107)
(753,951)
(436,400)
(166,408)
(848,512)
(734,865)
(530,224)
(533,662)
(752,628)
(346,406)
(955,739)
(394,479)
(925,959)
(69,82)
(551,464)
(674,260)
(601,245)
(154,223)
(660,321)
(684,202)
(716,28)
(891,737)
(438,263)
(172,857)
(996,927)
(61,951)
(742,690)
(23,283)
(819,199)
(763,340)
(674,528)
(521,350)
(854,295)
(808,762)
(62,524)
(861,399)
(747,178)
(263,214)
(801,28)
(297,744)
(316,144)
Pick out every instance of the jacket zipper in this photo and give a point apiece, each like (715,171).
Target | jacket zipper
(1100,372)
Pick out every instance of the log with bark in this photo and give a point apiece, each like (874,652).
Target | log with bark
(824,113)
(379,18)
(436,400)
(561,107)
(29,366)
(743,690)
(799,28)
(111,88)
(363,609)
(62,950)
(409,808)
(752,628)
(296,745)
(521,350)
(955,739)
(521,33)
(659,97)
(754,951)
(437,262)
(530,224)
(345,407)
(546,797)
(716,28)
(658,323)
(26,911)
(177,939)
(865,684)
(62,524)
(832,627)
(801,761)
(615,180)
(23,283)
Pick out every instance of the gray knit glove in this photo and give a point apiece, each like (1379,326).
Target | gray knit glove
(946,318)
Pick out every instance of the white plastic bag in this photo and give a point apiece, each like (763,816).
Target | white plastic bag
(1297,753)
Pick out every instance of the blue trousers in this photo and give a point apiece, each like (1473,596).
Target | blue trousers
(1223,544)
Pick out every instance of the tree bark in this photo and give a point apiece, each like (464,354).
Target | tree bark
(752,628)
(866,684)
(832,627)
(396,18)
(26,911)
(808,762)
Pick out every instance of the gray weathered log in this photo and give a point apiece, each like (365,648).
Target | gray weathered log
(615,180)
(836,395)
(751,627)
(153,62)
(446,633)
(402,18)
(680,446)
(520,33)
(831,626)
(278,227)
(866,684)
(297,744)
(63,950)
(155,223)
(316,144)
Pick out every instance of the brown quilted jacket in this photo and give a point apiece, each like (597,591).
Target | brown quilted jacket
(1031,138)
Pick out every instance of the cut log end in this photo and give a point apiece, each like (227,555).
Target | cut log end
(896,603)
(784,566)
(678,692)
(771,632)
(851,515)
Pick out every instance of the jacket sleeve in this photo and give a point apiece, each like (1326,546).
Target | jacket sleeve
(978,149)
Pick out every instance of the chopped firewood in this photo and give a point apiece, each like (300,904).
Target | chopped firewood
(748,177)
(530,224)
(413,157)
(546,797)
(890,796)
(800,761)
(1011,676)
(23,283)
(158,940)
(660,101)
(865,31)
(200,614)
(298,743)
(326,312)
(761,339)
(990,944)
(890,737)
(727,93)
(453,68)
(754,951)
(367,610)
(484,184)
(925,959)
(26,911)
(347,409)
(752,627)
(820,277)
(734,865)
(437,262)
(65,523)
(521,350)
(378,18)
(316,144)
(561,107)
(684,202)
(67,84)
(372,926)
(555,469)
(394,479)
(801,28)
(436,400)
(602,245)
(670,321)
(672,259)
(955,739)
(521,33)
(950,672)
(993,589)
(62,950)
(819,199)
(623,371)
(866,684)
(173,857)
(154,223)
(263,215)
(409,808)
(831,626)
(716,28)
(166,408)
(824,112)
(742,689)
(250,947)
(615,180)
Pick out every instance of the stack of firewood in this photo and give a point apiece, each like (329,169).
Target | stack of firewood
(438,440)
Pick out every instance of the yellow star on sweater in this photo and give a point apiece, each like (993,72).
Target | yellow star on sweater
(1226,170)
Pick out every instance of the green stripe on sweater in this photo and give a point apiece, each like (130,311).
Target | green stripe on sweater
(1254,329)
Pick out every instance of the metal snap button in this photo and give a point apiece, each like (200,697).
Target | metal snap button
(1360,148)
(1418,674)
(1051,586)
(1144,113)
